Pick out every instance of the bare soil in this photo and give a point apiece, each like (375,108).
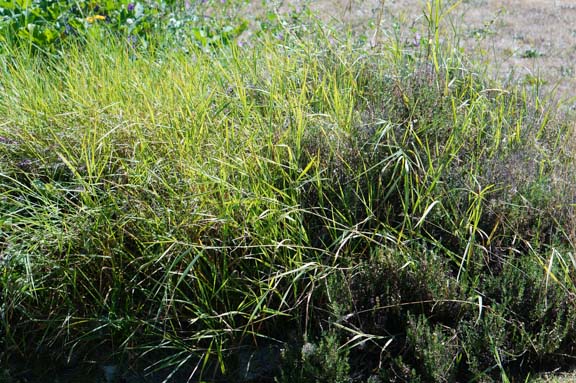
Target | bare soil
(527,41)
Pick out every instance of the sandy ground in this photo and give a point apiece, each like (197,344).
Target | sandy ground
(529,41)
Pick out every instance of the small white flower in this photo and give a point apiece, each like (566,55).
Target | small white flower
(308,349)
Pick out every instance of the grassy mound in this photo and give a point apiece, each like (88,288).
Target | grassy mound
(302,209)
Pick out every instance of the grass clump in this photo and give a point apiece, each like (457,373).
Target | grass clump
(334,212)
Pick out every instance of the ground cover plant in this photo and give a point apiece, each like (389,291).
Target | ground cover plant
(304,206)
(45,25)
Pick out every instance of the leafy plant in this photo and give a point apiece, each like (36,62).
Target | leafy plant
(46,24)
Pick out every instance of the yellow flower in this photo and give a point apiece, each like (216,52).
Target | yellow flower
(91,19)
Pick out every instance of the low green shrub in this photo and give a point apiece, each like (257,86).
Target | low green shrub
(323,361)
(46,25)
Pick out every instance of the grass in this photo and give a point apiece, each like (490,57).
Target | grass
(374,214)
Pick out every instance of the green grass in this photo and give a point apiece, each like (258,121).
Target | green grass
(377,213)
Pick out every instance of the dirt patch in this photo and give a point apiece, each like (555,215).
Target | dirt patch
(527,41)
